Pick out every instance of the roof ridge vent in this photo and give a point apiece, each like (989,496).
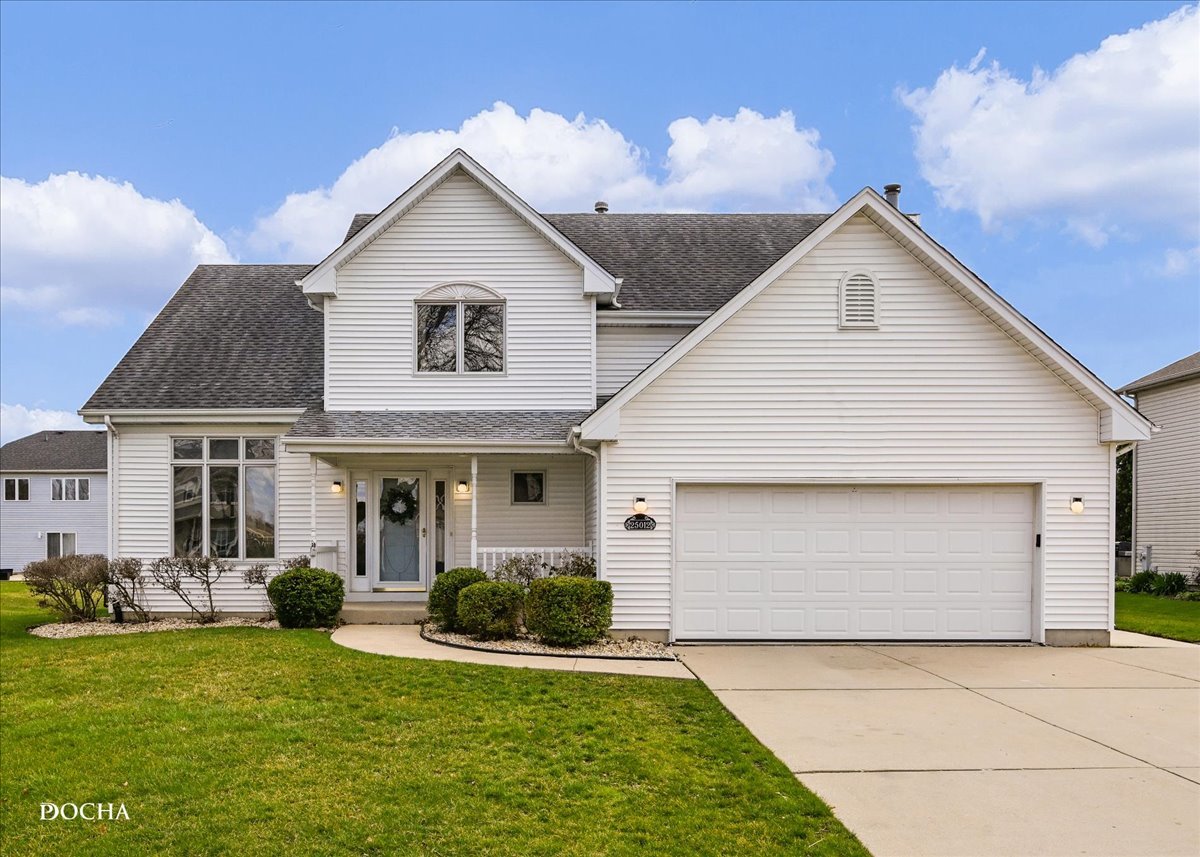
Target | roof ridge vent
(601,207)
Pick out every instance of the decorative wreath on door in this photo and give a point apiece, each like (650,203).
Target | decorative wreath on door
(399,503)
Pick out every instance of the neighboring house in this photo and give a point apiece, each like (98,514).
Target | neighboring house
(1166,474)
(55,499)
(835,430)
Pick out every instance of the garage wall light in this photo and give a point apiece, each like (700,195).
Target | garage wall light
(639,505)
(1076,505)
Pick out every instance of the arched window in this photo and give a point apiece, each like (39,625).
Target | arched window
(459,329)
(858,300)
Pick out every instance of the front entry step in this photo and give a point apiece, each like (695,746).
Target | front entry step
(390,613)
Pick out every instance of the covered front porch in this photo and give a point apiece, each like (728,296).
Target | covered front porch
(390,514)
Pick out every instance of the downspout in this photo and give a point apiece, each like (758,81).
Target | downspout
(111,490)
(573,438)
(312,508)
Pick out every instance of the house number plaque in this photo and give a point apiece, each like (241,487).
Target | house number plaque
(640,522)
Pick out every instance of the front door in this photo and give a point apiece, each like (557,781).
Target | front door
(400,550)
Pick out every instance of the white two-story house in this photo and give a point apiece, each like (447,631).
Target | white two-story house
(55,497)
(765,427)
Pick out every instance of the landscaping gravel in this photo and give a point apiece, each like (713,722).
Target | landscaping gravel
(606,648)
(107,627)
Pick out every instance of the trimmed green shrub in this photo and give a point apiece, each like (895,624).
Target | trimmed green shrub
(569,611)
(306,597)
(491,609)
(443,595)
(1169,585)
(1142,582)
(1122,584)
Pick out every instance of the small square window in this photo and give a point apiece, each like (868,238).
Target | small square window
(188,448)
(260,448)
(528,487)
(223,448)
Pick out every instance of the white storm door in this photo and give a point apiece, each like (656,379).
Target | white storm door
(400,556)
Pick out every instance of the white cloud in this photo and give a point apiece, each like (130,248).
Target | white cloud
(1108,141)
(19,421)
(84,249)
(1177,263)
(561,164)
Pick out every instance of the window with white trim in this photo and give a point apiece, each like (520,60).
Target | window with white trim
(16,488)
(70,488)
(858,300)
(459,330)
(223,497)
(59,544)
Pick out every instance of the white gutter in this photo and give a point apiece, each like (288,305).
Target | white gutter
(110,491)
(597,550)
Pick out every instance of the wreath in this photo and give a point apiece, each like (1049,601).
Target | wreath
(399,503)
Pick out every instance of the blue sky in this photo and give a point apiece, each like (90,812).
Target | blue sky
(138,140)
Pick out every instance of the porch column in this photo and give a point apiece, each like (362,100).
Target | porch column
(474,509)
(312,508)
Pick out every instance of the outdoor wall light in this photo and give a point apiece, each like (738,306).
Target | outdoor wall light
(639,505)
(337,488)
(463,487)
(1076,505)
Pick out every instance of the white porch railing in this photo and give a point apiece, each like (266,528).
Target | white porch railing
(489,558)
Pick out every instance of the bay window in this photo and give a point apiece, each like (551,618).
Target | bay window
(224,497)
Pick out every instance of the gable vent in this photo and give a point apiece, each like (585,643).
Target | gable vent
(858,300)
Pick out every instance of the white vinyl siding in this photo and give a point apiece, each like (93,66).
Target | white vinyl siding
(143,487)
(1168,477)
(459,233)
(624,351)
(938,394)
(24,523)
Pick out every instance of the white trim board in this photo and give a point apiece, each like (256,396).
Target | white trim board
(322,280)
(1126,423)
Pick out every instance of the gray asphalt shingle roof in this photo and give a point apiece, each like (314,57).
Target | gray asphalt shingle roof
(243,336)
(56,450)
(684,262)
(1176,371)
(233,336)
(550,426)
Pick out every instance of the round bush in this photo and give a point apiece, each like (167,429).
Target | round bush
(306,597)
(443,595)
(569,611)
(491,609)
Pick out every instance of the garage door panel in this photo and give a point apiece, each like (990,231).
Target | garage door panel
(833,562)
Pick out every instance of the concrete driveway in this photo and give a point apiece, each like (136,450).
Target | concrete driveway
(981,750)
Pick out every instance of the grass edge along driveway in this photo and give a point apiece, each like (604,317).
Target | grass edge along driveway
(251,741)
(1159,617)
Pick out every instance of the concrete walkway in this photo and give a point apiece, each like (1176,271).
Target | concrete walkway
(405,641)
(982,750)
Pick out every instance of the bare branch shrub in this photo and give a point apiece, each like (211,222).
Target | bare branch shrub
(183,575)
(523,569)
(71,586)
(127,586)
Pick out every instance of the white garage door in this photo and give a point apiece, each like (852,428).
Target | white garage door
(793,562)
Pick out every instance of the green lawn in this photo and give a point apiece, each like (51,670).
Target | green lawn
(246,741)
(1162,617)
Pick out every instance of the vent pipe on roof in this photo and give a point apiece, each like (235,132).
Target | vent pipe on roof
(891,192)
(602,207)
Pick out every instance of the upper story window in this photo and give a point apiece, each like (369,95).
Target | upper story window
(16,488)
(70,488)
(858,300)
(460,329)
(223,497)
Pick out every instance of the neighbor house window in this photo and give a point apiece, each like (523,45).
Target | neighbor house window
(528,486)
(59,544)
(223,497)
(460,329)
(16,488)
(70,488)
